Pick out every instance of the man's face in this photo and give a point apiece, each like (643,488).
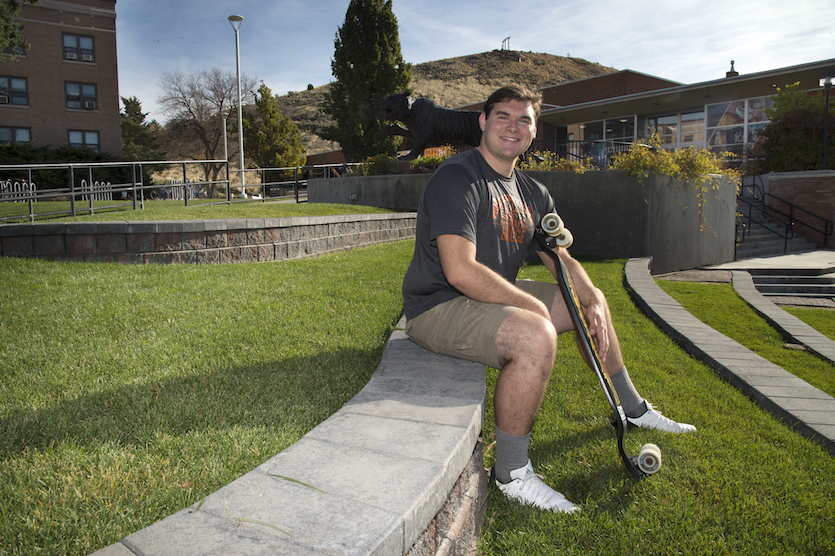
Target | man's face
(508,131)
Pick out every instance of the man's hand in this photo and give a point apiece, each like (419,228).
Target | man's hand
(597,317)
(592,300)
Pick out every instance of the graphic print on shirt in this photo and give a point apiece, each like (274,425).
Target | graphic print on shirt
(513,217)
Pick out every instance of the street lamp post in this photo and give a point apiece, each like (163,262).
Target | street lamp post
(225,116)
(828,87)
(236,20)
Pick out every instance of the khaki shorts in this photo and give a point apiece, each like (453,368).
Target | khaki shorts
(467,329)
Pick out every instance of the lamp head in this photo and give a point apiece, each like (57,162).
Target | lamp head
(236,20)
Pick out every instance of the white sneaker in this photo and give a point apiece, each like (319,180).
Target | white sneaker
(653,419)
(527,487)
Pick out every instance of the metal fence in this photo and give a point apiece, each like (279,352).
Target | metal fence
(598,153)
(33,191)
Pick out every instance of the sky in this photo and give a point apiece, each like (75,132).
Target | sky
(289,44)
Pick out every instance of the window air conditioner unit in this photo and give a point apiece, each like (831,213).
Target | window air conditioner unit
(71,55)
(89,105)
(4,100)
(87,57)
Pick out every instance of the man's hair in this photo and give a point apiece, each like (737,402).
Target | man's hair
(514,92)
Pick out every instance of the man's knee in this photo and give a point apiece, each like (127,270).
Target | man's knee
(526,336)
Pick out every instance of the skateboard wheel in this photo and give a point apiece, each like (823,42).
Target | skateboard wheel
(649,459)
(565,239)
(552,224)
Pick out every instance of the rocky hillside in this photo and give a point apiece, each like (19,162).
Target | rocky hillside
(452,83)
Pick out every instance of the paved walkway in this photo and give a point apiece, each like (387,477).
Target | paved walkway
(807,409)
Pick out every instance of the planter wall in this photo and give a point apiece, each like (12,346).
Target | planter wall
(610,213)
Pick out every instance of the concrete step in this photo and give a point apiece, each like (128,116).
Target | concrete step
(816,279)
(764,238)
(818,285)
(796,289)
(795,244)
(764,248)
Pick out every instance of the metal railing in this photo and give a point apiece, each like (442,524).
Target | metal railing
(33,191)
(757,202)
(598,153)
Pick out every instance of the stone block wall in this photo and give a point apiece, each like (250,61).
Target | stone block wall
(203,241)
(455,529)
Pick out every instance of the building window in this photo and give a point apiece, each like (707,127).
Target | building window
(735,126)
(692,128)
(666,128)
(592,131)
(84,139)
(81,96)
(19,50)
(14,135)
(13,90)
(79,48)
(621,129)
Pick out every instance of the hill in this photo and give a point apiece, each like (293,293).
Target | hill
(452,83)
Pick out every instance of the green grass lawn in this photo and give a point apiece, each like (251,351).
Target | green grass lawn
(131,392)
(175,210)
(744,483)
(719,306)
(822,320)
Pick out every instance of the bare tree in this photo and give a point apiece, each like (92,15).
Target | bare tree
(196,104)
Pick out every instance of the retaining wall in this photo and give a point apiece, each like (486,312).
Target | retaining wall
(203,241)
(610,213)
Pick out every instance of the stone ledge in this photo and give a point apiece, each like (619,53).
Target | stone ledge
(203,241)
(397,470)
(803,407)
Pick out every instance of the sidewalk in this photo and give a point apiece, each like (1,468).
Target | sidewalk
(810,411)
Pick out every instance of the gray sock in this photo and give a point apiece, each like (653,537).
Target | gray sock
(632,403)
(511,454)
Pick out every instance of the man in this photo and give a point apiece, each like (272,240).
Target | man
(475,223)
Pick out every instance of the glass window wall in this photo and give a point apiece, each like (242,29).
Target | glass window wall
(735,126)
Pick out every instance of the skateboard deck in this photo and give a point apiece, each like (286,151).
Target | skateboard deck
(551,231)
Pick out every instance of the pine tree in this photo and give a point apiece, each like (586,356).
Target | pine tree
(368,67)
(12,41)
(273,140)
(140,139)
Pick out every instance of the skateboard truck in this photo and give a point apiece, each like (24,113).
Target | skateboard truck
(552,233)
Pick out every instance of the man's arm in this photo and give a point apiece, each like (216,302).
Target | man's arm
(595,307)
(479,282)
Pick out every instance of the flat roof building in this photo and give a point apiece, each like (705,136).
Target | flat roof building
(724,115)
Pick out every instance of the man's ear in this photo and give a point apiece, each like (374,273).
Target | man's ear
(482,121)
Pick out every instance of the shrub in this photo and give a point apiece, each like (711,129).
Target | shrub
(426,164)
(701,167)
(548,161)
(377,165)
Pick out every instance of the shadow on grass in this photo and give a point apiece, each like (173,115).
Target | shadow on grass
(289,396)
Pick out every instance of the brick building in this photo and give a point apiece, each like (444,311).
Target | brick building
(64,89)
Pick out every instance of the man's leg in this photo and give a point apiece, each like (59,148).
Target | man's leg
(526,346)
(523,345)
(638,411)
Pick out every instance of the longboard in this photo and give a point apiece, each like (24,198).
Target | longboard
(549,234)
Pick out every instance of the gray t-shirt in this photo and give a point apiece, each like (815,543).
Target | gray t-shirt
(466,197)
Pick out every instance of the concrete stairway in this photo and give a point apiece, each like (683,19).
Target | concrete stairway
(802,283)
(761,237)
